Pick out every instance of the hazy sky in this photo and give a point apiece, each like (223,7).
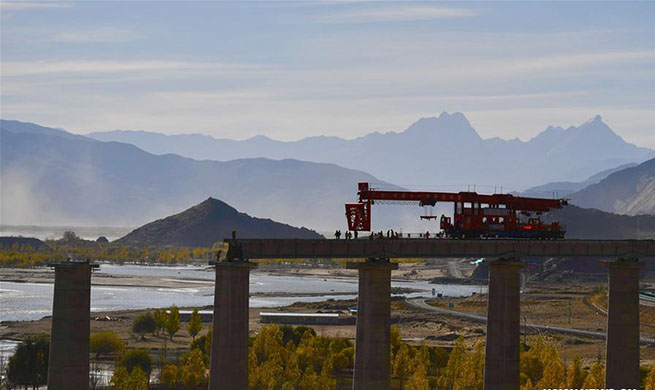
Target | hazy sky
(293,69)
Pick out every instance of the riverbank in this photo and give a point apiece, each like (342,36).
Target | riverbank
(556,307)
(102,277)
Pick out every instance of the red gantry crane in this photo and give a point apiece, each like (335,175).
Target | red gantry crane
(475,215)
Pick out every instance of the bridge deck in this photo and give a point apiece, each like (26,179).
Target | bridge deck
(441,248)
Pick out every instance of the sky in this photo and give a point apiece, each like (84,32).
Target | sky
(294,69)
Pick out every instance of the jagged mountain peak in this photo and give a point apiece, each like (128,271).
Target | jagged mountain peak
(595,119)
(592,131)
(595,122)
(452,125)
(455,116)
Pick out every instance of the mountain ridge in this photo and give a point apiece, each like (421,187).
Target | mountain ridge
(420,153)
(52,179)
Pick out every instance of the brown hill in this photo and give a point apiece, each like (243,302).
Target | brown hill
(208,222)
(23,243)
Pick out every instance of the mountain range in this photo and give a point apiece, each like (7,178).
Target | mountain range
(207,223)
(443,150)
(50,177)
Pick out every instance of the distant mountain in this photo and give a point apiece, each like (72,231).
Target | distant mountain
(208,222)
(31,128)
(565,188)
(596,224)
(22,243)
(53,178)
(628,191)
(444,150)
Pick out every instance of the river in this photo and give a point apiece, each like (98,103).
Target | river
(32,301)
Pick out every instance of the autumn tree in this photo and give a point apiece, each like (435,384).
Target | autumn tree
(455,369)
(123,379)
(168,376)
(193,372)
(395,339)
(575,374)
(195,324)
(554,375)
(401,367)
(161,318)
(173,321)
(649,383)
(418,380)
(475,366)
(596,377)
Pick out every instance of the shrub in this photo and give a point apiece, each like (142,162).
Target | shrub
(137,358)
(105,343)
(145,323)
(29,364)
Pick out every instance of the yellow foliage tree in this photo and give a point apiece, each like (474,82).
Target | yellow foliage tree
(475,367)
(650,380)
(401,367)
(596,377)
(395,338)
(418,380)
(124,380)
(575,374)
(455,370)
(168,376)
(193,373)
(554,374)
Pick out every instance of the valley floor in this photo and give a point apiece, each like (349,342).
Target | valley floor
(577,306)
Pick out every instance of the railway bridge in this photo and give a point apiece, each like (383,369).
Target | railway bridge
(373,260)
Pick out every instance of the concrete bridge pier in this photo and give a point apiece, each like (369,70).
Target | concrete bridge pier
(68,363)
(501,371)
(372,343)
(622,354)
(228,368)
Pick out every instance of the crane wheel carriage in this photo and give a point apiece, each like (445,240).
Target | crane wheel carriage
(475,215)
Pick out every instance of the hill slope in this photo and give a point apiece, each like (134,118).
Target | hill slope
(51,179)
(629,191)
(442,150)
(208,222)
(566,188)
(596,224)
